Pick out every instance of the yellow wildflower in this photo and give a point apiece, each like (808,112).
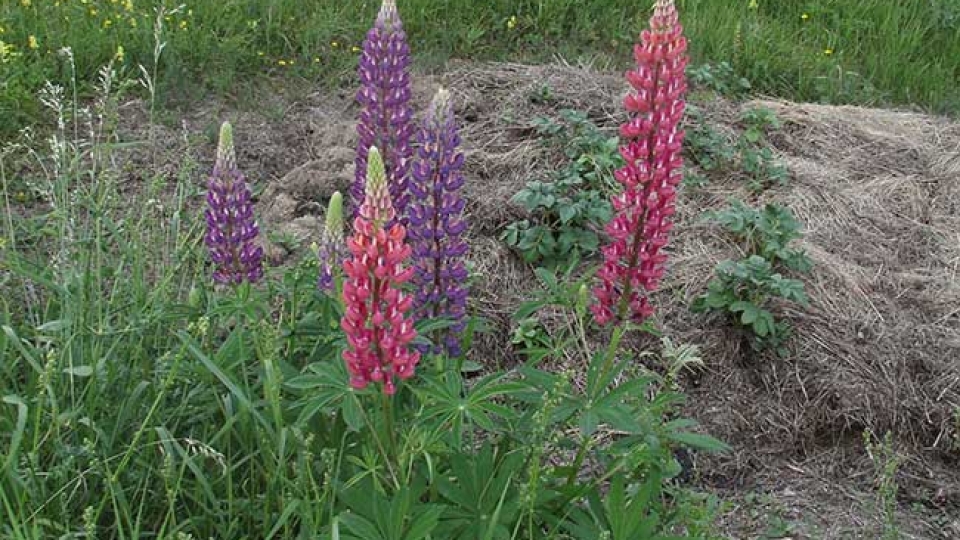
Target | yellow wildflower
(25,3)
(282,62)
(334,44)
(183,25)
(512,22)
(828,51)
(7,52)
(754,4)
(316,59)
(355,49)
(260,53)
(132,22)
(93,12)
(119,55)
(107,23)
(32,42)
(128,5)
(805,16)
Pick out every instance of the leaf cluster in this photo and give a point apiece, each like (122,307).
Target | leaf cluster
(767,232)
(568,210)
(747,154)
(745,289)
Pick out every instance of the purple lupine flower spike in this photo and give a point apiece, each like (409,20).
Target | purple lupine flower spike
(386,117)
(437,225)
(333,247)
(231,227)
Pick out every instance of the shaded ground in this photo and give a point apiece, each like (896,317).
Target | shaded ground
(878,348)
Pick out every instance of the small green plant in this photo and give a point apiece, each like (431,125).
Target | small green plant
(745,289)
(885,462)
(568,211)
(757,123)
(767,232)
(707,147)
(757,160)
(720,77)
(763,169)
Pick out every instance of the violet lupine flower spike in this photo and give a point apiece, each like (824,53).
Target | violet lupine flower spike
(386,117)
(231,228)
(436,224)
(633,263)
(333,249)
(376,321)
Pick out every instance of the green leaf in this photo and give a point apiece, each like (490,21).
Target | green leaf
(16,437)
(749,315)
(352,412)
(225,379)
(699,441)
(360,526)
(78,371)
(425,522)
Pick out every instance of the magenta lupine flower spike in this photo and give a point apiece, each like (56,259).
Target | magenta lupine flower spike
(436,224)
(332,249)
(633,262)
(231,228)
(386,118)
(375,320)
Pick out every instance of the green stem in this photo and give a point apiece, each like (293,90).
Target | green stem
(608,362)
(171,375)
(380,447)
(388,426)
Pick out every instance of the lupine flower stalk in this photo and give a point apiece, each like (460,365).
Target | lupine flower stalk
(376,321)
(386,117)
(437,225)
(633,262)
(332,249)
(231,227)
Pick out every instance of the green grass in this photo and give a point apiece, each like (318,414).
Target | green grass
(905,53)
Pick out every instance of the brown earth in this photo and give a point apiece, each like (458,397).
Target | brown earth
(877,349)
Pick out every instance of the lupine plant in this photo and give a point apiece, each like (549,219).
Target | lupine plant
(386,117)
(332,247)
(376,320)
(437,225)
(633,263)
(231,228)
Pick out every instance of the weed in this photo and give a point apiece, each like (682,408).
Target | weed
(885,462)
(568,211)
(767,232)
(745,290)
(720,78)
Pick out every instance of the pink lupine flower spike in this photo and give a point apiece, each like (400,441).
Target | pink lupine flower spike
(376,321)
(633,262)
